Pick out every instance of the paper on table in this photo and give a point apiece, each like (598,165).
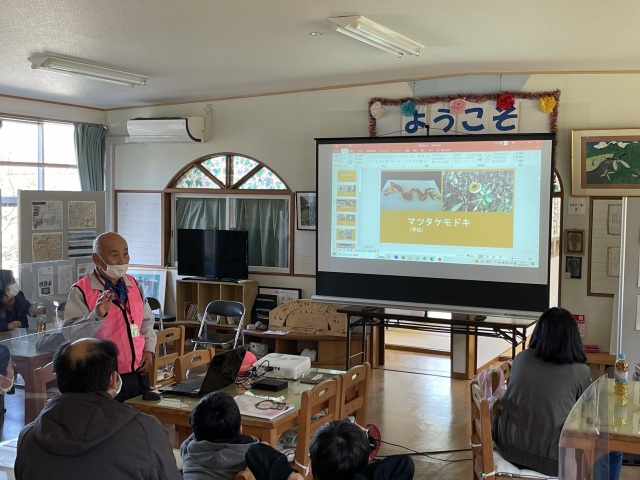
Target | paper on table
(276,332)
(262,407)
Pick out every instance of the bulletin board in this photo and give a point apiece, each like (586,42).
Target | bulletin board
(57,226)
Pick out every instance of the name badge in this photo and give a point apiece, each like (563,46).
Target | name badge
(135,331)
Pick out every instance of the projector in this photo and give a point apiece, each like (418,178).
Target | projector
(283,365)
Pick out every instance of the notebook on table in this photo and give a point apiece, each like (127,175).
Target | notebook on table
(223,370)
(314,377)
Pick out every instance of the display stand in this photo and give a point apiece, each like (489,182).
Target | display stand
(198,292)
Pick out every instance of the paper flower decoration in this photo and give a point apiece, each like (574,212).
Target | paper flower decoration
(547,104)
(377,110)
(408,108)
(457,106)
(505,101)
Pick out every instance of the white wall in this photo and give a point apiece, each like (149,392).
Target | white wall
(49,111)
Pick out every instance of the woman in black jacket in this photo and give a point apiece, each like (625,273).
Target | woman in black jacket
(14,307)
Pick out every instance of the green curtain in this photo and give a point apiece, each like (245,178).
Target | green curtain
(90,151)
(205,213)
(268,224)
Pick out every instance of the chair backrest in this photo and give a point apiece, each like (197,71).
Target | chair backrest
(154,304)
(245,475)
(192,360)
(42,377)
(321,399)
(481,446)
(162,359)
(499,381)
(354,391)
(227,309)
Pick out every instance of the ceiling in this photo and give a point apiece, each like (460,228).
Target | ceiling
(196,50)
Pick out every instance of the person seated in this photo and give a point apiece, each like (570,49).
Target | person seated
(7,377)
(85,433)
(545,382)
(216,448)
(339,450)
(14,307)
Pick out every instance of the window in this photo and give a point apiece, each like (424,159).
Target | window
(236,192)
(33,156)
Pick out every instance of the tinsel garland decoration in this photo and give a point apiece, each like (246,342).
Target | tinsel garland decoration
(377,110)
(472,98)
(457,106)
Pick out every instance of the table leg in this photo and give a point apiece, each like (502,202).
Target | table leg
(348,356)
(381,346)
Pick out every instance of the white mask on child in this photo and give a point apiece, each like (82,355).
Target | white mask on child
(12,290)
(4,390)
(118,385)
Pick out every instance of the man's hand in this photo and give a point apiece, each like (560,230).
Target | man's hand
(15,324)
(146,362)
(104,303)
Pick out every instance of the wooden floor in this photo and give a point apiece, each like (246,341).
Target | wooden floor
(414,403)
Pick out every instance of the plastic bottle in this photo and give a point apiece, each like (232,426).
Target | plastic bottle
(621,380)
(41,317)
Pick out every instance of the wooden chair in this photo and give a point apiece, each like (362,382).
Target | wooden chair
(43,378)
(322,399)
(163,362)
(191,360)
(502,372)
(354,391)
(482,454)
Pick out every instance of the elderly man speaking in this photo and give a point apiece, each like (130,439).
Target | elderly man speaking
(110,304)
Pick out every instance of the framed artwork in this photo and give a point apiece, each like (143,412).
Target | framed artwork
(152,280)
(281,295)
(574,242)
(306,210)
(573,267)
(604,246)
(605,163)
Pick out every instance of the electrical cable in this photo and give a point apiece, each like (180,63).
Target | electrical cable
(429,454)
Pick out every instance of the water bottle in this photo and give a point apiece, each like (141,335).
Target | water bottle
(41,317)
(621,379)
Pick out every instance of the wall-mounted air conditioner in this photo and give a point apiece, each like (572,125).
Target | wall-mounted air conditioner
(173,129)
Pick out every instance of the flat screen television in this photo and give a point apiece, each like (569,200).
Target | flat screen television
(213,254)
(458,223)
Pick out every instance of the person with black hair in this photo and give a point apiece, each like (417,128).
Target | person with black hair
(545,382)
(7,374)
(85,433)
(216,448)
(14,307)
(339,450)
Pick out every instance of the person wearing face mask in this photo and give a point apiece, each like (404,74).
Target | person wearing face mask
(14,307)
(110,304)
(84,433)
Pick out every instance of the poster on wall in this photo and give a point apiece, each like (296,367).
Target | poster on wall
(80,243)
(46,215)
(46,247)
(82,214)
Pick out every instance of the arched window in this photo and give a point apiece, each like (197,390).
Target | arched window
(231,191)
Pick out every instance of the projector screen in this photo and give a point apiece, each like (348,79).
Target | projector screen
(460,223)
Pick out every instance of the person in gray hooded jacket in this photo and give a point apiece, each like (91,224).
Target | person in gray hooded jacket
(85,433)
(216,448)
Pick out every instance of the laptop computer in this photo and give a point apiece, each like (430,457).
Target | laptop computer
(222,371)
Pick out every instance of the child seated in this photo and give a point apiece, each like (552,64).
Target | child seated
(216,448)
(339,450)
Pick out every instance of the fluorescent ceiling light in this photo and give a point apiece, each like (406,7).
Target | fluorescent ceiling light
(376,35)
(73,67)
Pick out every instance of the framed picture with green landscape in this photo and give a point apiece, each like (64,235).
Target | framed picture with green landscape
(306,210)
(605,163)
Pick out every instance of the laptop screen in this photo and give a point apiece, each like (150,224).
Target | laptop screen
(223,370)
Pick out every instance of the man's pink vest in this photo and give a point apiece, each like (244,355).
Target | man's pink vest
(115,326)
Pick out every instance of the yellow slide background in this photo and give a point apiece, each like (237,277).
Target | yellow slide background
(485,229)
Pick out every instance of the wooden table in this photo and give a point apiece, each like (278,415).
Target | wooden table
(175,410)
(598,423)
(461,328)
(26,359)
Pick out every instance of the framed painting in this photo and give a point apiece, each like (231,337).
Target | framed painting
(573,268)
(152,280)
(306,210)
(605,163)
(574,242)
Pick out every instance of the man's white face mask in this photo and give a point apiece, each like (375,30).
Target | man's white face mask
(12,290)
(118,385)
(115,271)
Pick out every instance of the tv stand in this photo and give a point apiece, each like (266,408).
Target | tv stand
(201,291)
